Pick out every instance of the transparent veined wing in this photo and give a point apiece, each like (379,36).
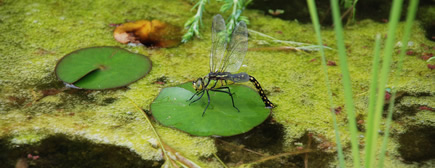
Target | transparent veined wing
(218,43)
(237,48)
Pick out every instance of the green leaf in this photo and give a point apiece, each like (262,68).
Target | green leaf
(226,6)
(102,67)
(171,108)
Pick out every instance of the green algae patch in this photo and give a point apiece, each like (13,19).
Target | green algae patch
(102,67)
(171,108)
(38,33)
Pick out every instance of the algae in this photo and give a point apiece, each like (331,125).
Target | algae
(36,34)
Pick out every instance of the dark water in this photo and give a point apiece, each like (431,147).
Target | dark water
(376,10)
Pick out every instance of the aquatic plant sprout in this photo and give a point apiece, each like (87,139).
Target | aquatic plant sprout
(235,16)
(195,22)
(236,6)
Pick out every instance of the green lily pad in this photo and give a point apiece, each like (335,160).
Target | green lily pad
(172,109)
(102,67)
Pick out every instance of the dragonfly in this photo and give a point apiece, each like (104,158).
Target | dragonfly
(224,61)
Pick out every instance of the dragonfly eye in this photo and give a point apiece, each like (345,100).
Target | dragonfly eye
(197,85)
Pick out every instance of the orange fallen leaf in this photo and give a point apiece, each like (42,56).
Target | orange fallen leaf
(150,33)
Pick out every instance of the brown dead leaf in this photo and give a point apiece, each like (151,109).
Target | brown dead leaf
(150,33)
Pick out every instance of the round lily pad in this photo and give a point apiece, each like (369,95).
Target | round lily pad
(102,67)
(172,109)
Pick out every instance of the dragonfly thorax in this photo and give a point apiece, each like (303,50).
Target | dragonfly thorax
(200,83)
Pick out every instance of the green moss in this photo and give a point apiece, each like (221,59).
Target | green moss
(28,137)
(38,33)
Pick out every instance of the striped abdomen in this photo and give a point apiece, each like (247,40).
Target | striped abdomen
(261,92)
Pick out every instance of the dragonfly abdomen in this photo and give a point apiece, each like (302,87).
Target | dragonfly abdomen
(261,92)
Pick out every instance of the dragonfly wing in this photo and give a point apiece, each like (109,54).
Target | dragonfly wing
(219,43)
(237,48)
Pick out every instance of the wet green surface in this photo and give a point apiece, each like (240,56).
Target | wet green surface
(36,34)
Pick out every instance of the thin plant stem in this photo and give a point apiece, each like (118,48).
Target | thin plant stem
(354,10)
(152,128)
(171,156)
(277,40)
(310,139)
(372,96)
(303,46)
(412,10)
(349,105)
(316,24)
(276,156)
(387,59)
(240,147)
(220,161)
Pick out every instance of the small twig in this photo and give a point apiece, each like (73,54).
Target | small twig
(45,93)
(281,48)
(169,154)
(274,39)
(151,125)
(303,46)
(180,159)
(308,147)
(347,12)
(278,156)
(243,148)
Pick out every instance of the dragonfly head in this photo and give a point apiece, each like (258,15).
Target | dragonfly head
(198,84)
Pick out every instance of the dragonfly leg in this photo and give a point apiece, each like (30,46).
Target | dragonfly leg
(229,93)
(208,95)
(197,93)
(202,94)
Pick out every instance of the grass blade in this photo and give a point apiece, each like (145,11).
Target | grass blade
(412,10)
(372,97)
(315,20)
(388,51)
(349,105)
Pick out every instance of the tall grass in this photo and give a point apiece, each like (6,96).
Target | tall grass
(412,10)
(376,100)
(372,132)
(348,96)
(372,93)
(316,24)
